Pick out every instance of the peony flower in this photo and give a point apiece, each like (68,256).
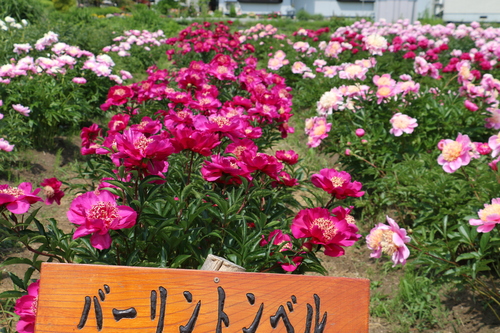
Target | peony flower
(402,123)
(470,106)
(360,132)
(389,239)
(290,157)
(26,309)
(96,213)
(18,199)
(79,80)
(337,183)
(24,110)
(323,228)
(455,153)
(488,217)
(5,145)
(52,190)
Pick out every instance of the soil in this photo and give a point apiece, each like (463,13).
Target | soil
(465,313)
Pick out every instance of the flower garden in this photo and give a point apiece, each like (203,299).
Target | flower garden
(205,138)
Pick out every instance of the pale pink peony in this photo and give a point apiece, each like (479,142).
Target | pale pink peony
(402,123)
(389,239)
(79,80)
(24,110)
(5,146)
(455,153)
(488,217)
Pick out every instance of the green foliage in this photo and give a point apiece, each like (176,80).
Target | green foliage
(416,304)
(64,5)
(164,6)
(232,11)
(303,15)
(30,10)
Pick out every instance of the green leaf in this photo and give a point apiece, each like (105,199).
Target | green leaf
(179,260)
(15,260)
(466,256)
(11,294)
(17,281)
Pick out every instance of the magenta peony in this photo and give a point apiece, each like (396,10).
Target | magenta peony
(96,213)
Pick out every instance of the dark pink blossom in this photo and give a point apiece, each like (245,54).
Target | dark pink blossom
(337,183)
(97,213)
(26,308)
(322,228)
(289,157)
(52,190)
(18,199)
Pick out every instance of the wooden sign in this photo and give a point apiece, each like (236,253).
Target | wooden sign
(117,299)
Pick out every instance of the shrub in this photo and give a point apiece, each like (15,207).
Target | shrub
(30,10)
(64,5)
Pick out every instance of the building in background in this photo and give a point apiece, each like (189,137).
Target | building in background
(390,10)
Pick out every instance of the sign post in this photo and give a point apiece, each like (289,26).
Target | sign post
(117,299)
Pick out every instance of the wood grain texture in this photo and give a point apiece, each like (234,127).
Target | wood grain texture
(63,288)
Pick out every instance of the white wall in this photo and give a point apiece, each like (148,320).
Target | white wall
(333,8)
(471,10)
(393,10)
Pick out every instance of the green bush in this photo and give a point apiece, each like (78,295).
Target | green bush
(164,6)
(64,5)
(30,10)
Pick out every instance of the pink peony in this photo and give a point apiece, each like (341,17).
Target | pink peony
(18,199)
(471,106)
(402,123)
(79,80)
(52,190)
(337,183)
(323,228)
(455,153)
(289,157)
(488,217)
(97,213)
(360,132)
(5,145)
(389,239)
(25,111)
(26,309)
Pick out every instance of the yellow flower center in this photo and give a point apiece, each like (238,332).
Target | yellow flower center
(382,239)
(103,210)
(489,210)
(452,151)
(326,226)
(142,143)
(401,122)
(16,192)
(337,181)
(350,219)
(384,91)
(319,130)
(220,121)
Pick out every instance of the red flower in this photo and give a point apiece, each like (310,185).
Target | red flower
(118,95)
(338,184)
(52,190)
(118,122)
